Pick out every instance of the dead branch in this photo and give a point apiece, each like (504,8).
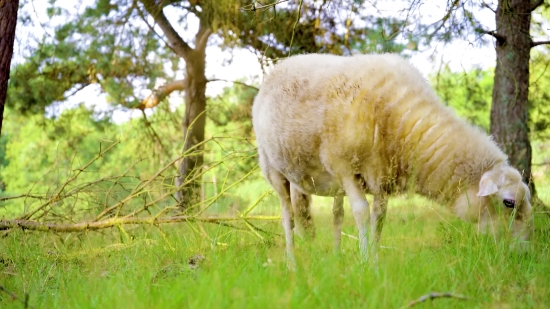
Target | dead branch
(56,196)
(533,44)
(7,198)
(113,222)
(435,295)
(484,4)
(500,38)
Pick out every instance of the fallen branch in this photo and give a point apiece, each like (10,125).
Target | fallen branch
(435,295)
(113,222)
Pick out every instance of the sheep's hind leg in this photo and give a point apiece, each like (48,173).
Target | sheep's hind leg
(360,209)
(282,187)
(378,215)
(338,219)
(301,204)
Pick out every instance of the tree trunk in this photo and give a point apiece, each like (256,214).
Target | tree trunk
(510,110)
(193,127)
(8,21)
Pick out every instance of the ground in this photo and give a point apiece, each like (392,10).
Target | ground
(425,249)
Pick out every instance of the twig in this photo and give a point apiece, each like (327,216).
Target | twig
(234,82)
(58,193)
(253,8)
(7,198)
(435,295)
(294,27)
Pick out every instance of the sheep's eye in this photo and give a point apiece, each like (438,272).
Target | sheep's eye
(509,203)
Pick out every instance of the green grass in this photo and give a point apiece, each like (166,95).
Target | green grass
(425,249)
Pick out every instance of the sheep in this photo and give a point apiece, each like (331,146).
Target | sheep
(331,125)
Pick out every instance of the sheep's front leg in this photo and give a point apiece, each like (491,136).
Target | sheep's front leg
(338,217)
(360,209)
(378,215)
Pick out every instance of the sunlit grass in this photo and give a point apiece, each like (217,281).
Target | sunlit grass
(425,249)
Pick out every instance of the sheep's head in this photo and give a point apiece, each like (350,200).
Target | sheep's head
(501,204)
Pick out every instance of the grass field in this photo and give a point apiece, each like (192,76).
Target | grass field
(425,249)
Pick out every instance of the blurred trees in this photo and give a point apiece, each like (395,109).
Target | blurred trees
(130,48)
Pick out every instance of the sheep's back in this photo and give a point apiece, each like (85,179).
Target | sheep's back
(373,115)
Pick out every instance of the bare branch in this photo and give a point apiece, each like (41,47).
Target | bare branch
(253,8)
(294,27)
(178,85)
(432,296)
(161,93)
(84,85)
(500,38)
(535,5)
(57,195)
(7,198)
(112,222)
(234,82)
(484,4)
(533,44)
(181,48)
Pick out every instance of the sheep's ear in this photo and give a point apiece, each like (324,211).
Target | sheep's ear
(486,185)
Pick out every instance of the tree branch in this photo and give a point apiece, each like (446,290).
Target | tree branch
(533,44)
(107,223)
(201,39)
(487,6)
(159,94)
(434,295)
(181,48)
(500,38)
(535,5)
(234,82)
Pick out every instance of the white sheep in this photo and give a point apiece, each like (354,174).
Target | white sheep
(332,125)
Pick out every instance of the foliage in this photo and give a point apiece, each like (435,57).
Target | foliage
(115,44)
(468,93)
(41,154)
(539,96)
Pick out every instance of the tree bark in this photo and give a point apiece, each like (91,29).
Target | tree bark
(194,122)
(510,108)
(8,21)
(195,82)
